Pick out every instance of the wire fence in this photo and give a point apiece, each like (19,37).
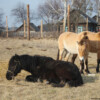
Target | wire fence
(36,35)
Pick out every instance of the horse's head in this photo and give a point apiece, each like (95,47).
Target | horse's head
(14,67)
(83,47)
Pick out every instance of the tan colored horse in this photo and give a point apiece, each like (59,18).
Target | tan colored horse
(68,41)
(93,46)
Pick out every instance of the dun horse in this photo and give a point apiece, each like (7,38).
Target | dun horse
(68,41)
(93,46)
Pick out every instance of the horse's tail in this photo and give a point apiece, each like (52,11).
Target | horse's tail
(77,82)
(58,55)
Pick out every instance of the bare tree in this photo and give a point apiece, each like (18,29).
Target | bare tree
(97,8)
(53,10)
(20,13)
(78,7)
(50,10)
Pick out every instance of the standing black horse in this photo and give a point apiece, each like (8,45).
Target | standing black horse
(42,67)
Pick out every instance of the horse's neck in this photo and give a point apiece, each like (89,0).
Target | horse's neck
(26,67)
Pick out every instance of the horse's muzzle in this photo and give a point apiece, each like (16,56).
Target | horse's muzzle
(81,58)
(9,76)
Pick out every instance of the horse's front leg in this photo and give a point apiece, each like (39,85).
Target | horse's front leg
(73,58)
(98,62)
(31,78)
(82,66)
(86,66)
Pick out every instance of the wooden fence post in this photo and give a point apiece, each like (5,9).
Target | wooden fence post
(68,18)
(6,26)
(41,28)
(24,29)
(87,24)
(57,28)
(63,25)
(64,21)
(28,23)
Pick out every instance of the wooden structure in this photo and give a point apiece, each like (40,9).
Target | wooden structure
(65,14)
(87,25)
(41,28)
(98,26)
(28,23)
(68,18)
(82,21)
(7,26)
(23,28)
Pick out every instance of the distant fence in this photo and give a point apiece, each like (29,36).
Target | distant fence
(32,34)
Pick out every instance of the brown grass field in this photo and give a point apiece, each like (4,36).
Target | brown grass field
(19,89)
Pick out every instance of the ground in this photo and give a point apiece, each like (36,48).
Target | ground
(19,89)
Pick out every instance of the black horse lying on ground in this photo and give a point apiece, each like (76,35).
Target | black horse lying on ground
(42,67)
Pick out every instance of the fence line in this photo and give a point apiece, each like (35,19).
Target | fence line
(37,35)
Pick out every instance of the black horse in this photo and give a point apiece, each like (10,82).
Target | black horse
(28,63)
(61,72)
(42,67)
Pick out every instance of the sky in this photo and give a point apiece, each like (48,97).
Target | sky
(8,5)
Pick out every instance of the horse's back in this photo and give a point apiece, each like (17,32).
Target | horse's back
(66,35)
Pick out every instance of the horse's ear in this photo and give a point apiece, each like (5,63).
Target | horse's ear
(86,37)
(16,55)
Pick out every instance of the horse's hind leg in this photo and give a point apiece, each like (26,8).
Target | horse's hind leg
(67,57)
(60,53)
(98,62)
(73,58)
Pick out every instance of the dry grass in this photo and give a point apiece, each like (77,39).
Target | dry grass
(18,89)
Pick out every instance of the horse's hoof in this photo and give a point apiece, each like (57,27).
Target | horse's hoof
(81,72)
(87,71)
(47,82)
(41,80)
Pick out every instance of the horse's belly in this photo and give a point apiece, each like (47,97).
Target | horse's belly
(94,47)
(70,48)
(94,50)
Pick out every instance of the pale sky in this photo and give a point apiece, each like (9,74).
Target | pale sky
(8,5)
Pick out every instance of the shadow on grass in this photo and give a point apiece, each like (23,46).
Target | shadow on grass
(92,67)
(90,78)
